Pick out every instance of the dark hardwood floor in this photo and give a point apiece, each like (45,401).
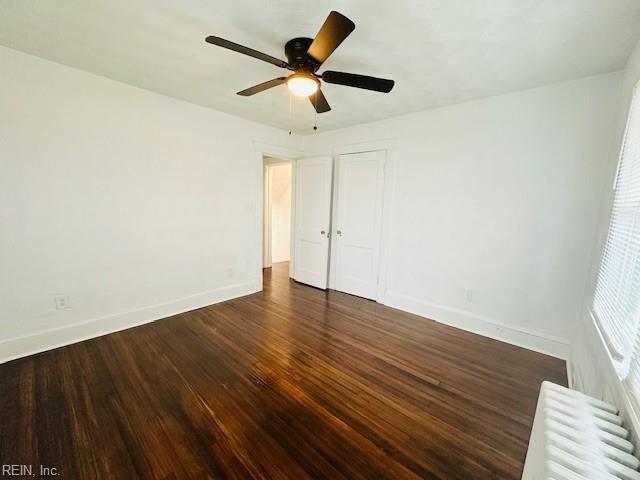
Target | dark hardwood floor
(291,382)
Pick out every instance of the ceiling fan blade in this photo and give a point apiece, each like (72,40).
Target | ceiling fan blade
(358,81)
(319,102)
(221,42)
(261,87)
(334,30)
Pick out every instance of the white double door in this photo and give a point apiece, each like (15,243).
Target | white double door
(352,246)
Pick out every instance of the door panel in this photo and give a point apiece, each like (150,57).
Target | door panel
(312,220)
(359,222)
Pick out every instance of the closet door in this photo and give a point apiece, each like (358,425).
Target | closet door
(312,220)
(359,222)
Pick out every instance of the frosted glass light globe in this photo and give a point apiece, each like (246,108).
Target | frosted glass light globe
(302,85)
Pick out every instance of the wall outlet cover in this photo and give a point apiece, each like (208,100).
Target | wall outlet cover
(62,302)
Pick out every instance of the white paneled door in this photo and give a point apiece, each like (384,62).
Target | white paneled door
(359,222)
(312,220)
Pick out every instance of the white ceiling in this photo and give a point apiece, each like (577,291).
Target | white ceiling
(439,52)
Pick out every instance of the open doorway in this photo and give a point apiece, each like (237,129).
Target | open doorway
(277,211)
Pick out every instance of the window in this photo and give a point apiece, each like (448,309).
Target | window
(616,302)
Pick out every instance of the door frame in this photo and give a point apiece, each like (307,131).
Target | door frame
(262,150)
(389,147)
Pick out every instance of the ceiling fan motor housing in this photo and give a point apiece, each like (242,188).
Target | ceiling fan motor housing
(296,52)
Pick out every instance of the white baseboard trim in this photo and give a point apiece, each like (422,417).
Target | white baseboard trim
(481,325)
(49,339)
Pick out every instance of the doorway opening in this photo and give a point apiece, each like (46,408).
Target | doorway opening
(277,210)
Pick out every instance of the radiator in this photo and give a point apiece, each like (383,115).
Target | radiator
(576,437)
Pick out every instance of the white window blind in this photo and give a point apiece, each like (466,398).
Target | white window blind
(616,303)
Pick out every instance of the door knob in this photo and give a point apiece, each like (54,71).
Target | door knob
(322,232)
(339,232)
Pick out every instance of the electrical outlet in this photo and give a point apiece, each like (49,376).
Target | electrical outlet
(62,302)
(468,294)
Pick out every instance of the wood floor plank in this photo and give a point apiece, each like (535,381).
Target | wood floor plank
(291,382)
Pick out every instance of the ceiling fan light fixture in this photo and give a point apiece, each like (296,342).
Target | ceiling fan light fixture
(305,56)
(303,84)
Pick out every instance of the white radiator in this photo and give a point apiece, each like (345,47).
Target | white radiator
(576,437)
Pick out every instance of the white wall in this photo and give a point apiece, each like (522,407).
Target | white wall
(496,195)
(139,206)
(134,204)
(593,370)
(280,212)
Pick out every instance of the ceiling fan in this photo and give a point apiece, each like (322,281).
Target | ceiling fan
(305,56)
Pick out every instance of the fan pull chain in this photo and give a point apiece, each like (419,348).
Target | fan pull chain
(315,112)
(290,110)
